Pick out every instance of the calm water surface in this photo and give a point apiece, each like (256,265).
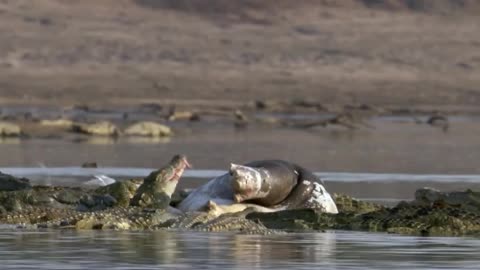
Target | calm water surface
(185,250)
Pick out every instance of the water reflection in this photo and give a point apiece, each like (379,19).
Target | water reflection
(9,140)
(182,250)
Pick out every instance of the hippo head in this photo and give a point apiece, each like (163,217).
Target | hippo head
(246,182)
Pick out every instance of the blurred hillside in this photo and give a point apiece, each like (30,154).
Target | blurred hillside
(399,52)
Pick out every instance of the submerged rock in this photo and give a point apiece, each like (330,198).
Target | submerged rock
(150,129)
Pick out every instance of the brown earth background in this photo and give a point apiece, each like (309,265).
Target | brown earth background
(379,52)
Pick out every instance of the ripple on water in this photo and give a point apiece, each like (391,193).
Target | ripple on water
(185,250)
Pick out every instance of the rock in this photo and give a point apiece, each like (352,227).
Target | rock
(62,123)
(9,130)
(103,128)
(10,183)
(147,128)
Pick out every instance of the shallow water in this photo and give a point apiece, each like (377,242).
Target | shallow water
(388,147)
(386,164)
(186,250)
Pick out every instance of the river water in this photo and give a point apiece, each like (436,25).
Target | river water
(186,250)
(386,164)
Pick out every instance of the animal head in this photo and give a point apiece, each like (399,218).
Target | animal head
(246,182)
(171,173)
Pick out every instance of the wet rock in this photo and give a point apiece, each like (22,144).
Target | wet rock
(150,129)
(9,129)
(103,128)
(9,183)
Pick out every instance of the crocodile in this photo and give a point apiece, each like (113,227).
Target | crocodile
(132,218)
(157,189)
(121,218)
(154,191)
(113,195)
(439,218)
(431,212)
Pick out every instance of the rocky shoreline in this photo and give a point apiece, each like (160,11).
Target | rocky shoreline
(431,213)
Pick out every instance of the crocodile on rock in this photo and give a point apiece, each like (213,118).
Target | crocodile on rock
(430,213)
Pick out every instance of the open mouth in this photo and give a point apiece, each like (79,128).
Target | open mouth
(186,163)
(179,169)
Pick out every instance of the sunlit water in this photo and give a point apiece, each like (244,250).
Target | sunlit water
(186,250)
